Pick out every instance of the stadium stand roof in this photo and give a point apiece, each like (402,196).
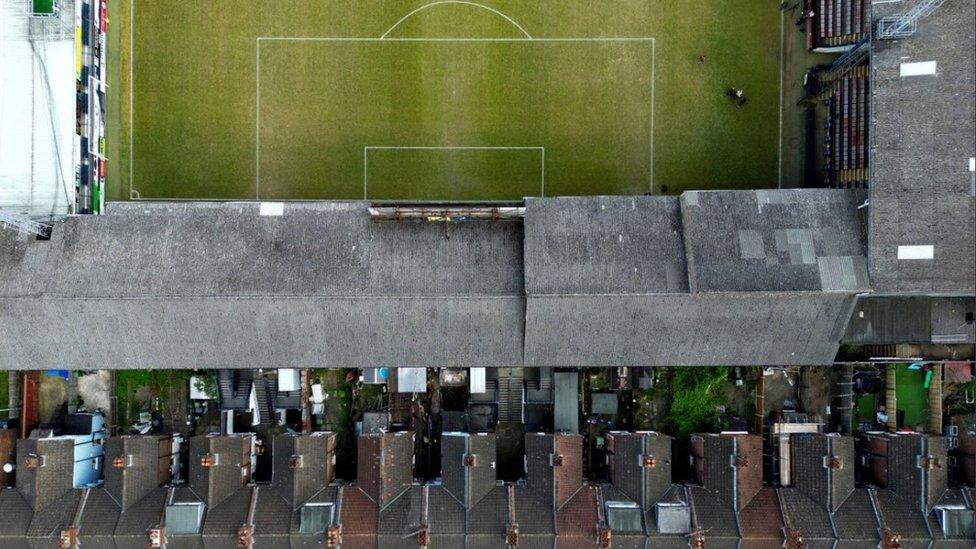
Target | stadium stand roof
(604,245)
(923,127)
(883,320)
(220,284)
(685,329)
(603,281)
(783,240)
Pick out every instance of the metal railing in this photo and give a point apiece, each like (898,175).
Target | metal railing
(906,24)
(25,225)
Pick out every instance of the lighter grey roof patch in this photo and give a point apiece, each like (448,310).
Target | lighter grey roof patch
(781,235)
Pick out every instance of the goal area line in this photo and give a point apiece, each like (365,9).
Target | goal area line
(421,148)
(366,151)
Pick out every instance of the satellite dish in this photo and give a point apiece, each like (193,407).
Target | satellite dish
(8,467)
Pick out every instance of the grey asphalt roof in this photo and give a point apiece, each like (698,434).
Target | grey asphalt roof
(923,137)
(799,328)
(321,283)
(217,283)
(604,244)
(776,240)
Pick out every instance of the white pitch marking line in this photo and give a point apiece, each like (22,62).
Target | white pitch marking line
(782,53)
(653,80)
(652,40)
(346,39)
(132,101)
(543,190)
(461,2)
(257,125)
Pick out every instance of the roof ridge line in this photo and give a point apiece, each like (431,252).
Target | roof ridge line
(265,296)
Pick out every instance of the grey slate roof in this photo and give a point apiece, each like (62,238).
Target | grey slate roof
(143,515)
(714,514)
(644,486)
(901,515)
(221,521)
(777,240)
(855,520)
(128,485)
(48,485)
(445,516)
(828,487)
(806,515)
(216,483)
(488,520)
(316,452)
(923,132)
(16,513)
(99,517)
(534,513)
(799,328)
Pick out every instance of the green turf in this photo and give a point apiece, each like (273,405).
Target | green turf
(452,174)
(43,7)
(194,127)
(911,396)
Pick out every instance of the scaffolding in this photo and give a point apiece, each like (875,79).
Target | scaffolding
(906,24)
(24,225)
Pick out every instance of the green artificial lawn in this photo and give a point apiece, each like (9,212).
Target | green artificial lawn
(911,396)
(194,131)
(43,7)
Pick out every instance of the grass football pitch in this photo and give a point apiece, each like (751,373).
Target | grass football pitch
(440,100)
